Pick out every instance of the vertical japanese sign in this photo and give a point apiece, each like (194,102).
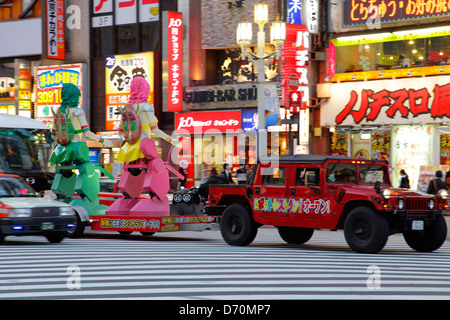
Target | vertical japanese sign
(294,9)
(55,42)
(173,61)
(119,72)
(295,60)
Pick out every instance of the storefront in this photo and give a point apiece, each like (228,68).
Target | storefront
(400,120)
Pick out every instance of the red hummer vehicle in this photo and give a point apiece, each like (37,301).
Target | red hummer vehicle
(305,192)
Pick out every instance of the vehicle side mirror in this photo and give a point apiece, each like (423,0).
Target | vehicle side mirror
(377,187)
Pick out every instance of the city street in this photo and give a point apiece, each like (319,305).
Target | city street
(199,265)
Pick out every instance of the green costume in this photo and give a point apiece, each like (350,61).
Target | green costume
(69,155)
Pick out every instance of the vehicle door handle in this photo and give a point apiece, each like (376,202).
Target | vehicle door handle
(292,191)
(257,190)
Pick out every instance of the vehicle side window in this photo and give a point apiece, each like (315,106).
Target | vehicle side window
(307,177)
(274,176)
(341,173)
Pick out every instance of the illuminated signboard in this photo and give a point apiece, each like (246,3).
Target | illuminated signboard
(358,12)
(119,72)
(295,60)
(175,61)
(55,29)
(48,84)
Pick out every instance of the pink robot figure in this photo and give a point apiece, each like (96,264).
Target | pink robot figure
(142,168)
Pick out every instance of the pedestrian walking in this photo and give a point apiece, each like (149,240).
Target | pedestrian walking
(404,182)
(436,184)
(241,174)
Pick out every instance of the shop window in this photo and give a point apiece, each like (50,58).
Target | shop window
(103,43)
(388,55)
(127,40)
(150,36)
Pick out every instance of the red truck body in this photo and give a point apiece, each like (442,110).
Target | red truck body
(304,192)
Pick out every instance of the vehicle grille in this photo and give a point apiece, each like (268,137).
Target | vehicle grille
(45,212)
(417,204)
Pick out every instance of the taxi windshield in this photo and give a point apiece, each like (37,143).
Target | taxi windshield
(15,187)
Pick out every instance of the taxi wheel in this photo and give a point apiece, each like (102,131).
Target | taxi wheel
(237,226)
(429,239)
(365,230)
(77,230)
(55,237)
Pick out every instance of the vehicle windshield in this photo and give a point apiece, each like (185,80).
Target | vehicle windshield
(341,173)
(24,151)
(15,187)
(369,174)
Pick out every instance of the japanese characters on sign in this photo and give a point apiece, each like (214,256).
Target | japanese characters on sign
(295,60)
(120,70)
(389,101)
(55,29)
(124,12)
(48,84)
(200,122)
(357,12)
(175,61)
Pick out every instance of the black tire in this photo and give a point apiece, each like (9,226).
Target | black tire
(77,230)
(429,239)
(365,230)
(293,235)
(237,225)
(55,237)
(147,234)
(125,233)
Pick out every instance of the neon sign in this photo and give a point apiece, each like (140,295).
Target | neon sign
(357,12)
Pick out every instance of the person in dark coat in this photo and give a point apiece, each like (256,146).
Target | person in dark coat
(404,182)
(225,175)
(212,179)
(436,184)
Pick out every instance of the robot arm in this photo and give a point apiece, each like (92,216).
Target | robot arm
(153,126)
(79,113)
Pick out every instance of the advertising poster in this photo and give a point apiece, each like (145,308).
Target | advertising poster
(48,85)
(120,71)
(427,173)
(412,148)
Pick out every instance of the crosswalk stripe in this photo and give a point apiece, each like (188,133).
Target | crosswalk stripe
(183,269)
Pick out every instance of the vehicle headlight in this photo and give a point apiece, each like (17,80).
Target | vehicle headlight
(386,193)
(443,194)
(66,211)
(20,212)
(431,204)
(401,204)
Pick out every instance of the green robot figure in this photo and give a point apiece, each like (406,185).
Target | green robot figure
(70,153)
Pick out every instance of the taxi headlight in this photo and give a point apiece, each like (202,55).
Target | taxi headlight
(20,212)
(401,204)
(66,211)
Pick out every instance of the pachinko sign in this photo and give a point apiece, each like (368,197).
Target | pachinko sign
(48,84)
(399,101)
(119,72)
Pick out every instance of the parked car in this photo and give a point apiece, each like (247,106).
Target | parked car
(24,212)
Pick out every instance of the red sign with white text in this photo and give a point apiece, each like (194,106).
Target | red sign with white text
(55,29)
(200,122)
(175,61)
(295,62)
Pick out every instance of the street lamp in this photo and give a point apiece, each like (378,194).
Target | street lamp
(277,38)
